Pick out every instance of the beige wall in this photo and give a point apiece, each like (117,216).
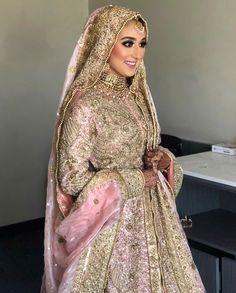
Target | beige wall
(191,64)
(36,42)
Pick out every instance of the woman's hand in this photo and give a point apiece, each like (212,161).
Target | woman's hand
(150,178)
(157,159)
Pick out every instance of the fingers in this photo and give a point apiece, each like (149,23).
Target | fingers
(165,162)
(150,178)
(153,153)
(153,157)
(154,162)
(157,160)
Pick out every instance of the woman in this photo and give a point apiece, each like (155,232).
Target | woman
(111,220)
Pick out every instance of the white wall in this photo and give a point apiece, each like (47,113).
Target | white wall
(191,64)
(36,42)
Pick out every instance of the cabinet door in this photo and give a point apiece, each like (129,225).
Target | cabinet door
(208,267)
(228,275)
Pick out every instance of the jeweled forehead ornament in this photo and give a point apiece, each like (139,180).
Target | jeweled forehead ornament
(139,25)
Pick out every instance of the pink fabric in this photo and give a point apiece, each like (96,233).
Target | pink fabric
(65,202)
(81,225)
(162,180)
(168,188)
(102,206)
(170,174)
(49,283)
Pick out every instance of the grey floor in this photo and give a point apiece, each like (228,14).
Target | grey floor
(21,257)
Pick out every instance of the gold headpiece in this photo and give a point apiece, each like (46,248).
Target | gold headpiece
(139,26)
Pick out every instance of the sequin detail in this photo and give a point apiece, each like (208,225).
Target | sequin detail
(103,139)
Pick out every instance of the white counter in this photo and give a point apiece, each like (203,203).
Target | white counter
(214,167)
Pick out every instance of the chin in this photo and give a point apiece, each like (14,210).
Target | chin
(129,74)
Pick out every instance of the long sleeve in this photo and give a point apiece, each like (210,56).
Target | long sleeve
(75,148)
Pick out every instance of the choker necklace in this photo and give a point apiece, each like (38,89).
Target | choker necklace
(113,81)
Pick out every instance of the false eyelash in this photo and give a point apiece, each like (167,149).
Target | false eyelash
(128,44)
(143,44)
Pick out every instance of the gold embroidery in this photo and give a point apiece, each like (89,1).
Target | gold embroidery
(134,181)
(139,26)
(102,130)
(111,133)
(113,81)
(171,236)
(152,244)
(102,177)
(112,137)
(92,268)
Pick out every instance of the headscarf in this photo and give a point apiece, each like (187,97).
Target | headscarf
(89,59)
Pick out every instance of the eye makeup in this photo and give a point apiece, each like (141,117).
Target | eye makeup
(129,42)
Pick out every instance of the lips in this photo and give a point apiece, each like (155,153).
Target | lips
(131,64)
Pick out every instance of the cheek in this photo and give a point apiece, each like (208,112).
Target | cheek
(117,53)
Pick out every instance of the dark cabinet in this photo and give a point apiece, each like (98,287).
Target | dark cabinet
(212,237)
(209,268)
(228,275)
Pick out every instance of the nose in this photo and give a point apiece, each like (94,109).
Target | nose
(138,52)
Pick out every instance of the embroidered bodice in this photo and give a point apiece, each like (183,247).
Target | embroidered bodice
(104,128)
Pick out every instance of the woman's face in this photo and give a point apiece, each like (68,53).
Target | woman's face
(129,49)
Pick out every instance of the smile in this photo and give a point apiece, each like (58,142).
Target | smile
(131,64)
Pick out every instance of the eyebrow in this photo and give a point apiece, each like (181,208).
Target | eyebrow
(132,38)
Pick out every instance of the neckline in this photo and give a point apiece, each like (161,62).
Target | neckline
(113,81)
